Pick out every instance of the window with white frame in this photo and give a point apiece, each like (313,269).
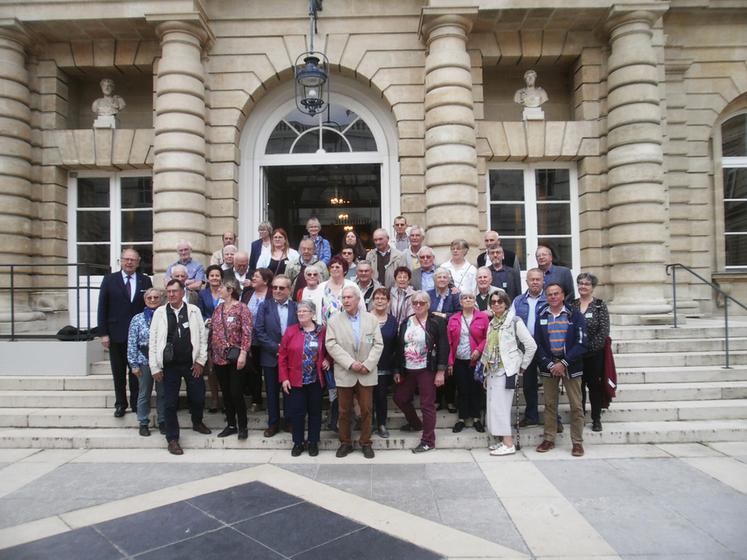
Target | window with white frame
(734,172)
(107,213)
(531,205)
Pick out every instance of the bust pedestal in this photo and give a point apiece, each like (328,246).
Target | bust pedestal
(533,114)
(105,121)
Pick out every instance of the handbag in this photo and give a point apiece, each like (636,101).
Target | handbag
(232,352)
(479,372)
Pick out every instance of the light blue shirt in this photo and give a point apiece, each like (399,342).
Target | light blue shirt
(195,270)
(532,302)
(283,314)
(355,324)
(426,279)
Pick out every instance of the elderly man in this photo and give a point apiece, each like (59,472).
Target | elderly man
(273,317)
(401,240)
(526,307)
(423,276)
(384,258)
(229,238)
(561,344)
(195,270)
(483,278)
(229,251)
(179,326)
(355,344)
(507,279)
(416,237)
(493,239)
(554,273)
(365,282)
(179,272)
(307,256)
(120,299)
(240,271)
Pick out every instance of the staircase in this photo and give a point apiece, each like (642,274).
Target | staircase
(672,389)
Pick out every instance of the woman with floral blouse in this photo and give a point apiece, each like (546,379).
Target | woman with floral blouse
(230,339)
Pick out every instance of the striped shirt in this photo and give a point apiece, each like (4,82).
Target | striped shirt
(557,329)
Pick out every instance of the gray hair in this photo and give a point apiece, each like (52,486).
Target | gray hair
(484,269)
(461,243)
(425,248)
(588,276)
(156,291)
(441,270)
(422,295)
(415,227)
(466,293)
(230,248)
(354,289)
(308,305)
(312,268)
(179,267)
(313,221)
(266,226)
(233,285)
(184,243)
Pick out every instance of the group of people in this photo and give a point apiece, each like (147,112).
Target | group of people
(355,326)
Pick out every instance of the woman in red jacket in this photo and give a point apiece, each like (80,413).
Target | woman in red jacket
(302,361)
(466,331)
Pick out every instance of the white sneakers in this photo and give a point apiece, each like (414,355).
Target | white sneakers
(500,450)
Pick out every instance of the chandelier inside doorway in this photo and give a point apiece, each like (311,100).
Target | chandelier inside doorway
(311,71)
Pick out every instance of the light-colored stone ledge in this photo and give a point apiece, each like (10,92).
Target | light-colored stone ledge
(102,148)
(549,140)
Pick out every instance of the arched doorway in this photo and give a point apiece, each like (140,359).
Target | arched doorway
(340,166)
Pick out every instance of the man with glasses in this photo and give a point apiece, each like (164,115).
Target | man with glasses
(273,317)
(492,240)
(401,240)
(365,282)
(229,238)
(507,279)
(423,278)
(120,299)
(195,270)
(416,237)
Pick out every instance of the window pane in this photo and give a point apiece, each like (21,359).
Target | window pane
(561,248)
(360,137)
(93,192)
(553,184)
(735,216)
(281,139)
(553,219)
(332,141)
(506,184)
(308,143)
(93,254)
(735,183)
(146,258)
(518,246)
(137,226)
(93,226)
(137,192)
(734,137)
(508,219)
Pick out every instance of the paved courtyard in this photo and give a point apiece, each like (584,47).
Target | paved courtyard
(667,501)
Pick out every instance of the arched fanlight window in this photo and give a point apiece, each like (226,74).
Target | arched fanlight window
(337,129)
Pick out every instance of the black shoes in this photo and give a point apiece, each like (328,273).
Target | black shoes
(119,411)
(458,427)
(243,434)
(368,451)
(297,450)
(344,450)
(162,428)
(313,449)
(228,431)
(478,426)
(560,428)
(144,431)
(596,426)
(201,428)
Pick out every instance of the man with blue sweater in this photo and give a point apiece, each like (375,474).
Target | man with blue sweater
(561,344)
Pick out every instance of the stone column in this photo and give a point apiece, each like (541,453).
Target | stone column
(15,174)
(636,194)
(179,167)
(450,137)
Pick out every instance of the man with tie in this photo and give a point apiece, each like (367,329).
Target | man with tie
(120,299)
(274,315)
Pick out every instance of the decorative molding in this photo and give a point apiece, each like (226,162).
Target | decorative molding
(540,140)
(99,149)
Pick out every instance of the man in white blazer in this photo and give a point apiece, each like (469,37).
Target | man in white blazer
(355,344)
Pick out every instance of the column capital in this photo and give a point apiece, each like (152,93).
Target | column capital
(432,19)
(194,23)
(14,30)
(643,12)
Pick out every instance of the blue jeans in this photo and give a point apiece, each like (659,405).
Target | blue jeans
(143,398)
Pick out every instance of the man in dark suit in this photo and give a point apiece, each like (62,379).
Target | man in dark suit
(273,317)
(120,299)
(493,239)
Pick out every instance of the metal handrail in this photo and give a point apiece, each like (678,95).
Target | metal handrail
(672,271)
(13,289)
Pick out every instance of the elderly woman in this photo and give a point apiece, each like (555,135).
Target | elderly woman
(462,272)
(313,291)
(302,361)
(444,302)
(207,300)
(401,293)
(259,255)
(137,357)
(597,319)
(422,352)
(322,248)
(230,339)
(466,332)
(504,363)
(388,326)
(281,253)
(332,288)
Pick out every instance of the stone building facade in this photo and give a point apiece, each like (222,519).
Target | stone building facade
(641,160)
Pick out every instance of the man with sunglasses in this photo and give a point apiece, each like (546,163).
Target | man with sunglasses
(423,277)
(273,317)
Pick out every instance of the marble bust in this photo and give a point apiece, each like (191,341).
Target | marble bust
(108,106)
(531,97)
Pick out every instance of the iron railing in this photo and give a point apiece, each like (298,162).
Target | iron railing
(672,271)
(25,269)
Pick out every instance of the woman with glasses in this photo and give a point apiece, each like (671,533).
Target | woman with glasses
(466,331)
(281,253)
(231,333)
(348,255)
(207,300)
(597,319)
(332,288)
(388,326)
(302,361)
(313,291)
(422,352)
(504,364)
(137,357)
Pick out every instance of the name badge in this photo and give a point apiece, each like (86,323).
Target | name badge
(230,319)
(369,339)
(589,315)
(185,325)
(313,344)
(543,321)
(504,285)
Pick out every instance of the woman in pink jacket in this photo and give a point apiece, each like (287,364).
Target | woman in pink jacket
(466,332)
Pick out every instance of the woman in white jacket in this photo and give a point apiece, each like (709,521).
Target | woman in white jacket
(504,363)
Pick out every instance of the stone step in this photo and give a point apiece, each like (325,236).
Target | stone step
(681,359)
(690,374)
(614,433)
(618,412)
(679,345)
(714,329)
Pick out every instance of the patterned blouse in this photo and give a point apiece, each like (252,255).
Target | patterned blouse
(597,324)
(137,338)
(416,350)
(310,355)
(230,327)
